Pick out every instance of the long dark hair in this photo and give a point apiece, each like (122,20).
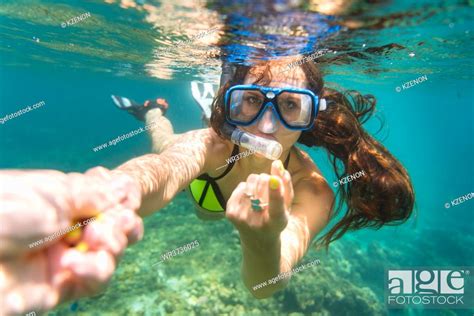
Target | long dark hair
(385,194)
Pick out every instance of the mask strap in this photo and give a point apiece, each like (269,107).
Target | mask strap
(322,104)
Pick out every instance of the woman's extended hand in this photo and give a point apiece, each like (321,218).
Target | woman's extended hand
(262,225)
(37,273)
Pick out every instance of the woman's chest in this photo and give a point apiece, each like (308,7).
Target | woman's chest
(228,183)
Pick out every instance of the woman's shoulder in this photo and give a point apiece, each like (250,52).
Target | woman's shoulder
(305,171)
(301,163)
(217,148)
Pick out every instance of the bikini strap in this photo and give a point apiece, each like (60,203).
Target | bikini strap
(287,161)
(235,152)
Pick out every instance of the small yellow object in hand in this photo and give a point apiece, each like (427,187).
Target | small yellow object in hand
(99,217)
(274,183)
(82,246)
(73,236)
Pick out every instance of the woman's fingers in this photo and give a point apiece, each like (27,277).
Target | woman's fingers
(288,189)
(99,190)
(125,221)
(271,191)
(262,187)
(109,233)
(251,185)
(35,204)
(91,271)
(114,198)
(132,226)
(235,204)
(279,170)
(127,189)
(276,201)
(42,203)
(51,202)
(25,287)
(268,220)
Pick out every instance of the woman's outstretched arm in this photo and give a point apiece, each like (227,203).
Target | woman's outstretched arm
(274,240)
(162,176)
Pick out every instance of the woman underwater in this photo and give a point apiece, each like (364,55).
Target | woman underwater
(278,208)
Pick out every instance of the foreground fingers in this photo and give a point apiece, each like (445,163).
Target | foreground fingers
(100,189)
(113,231)
(90,272)
(44,279)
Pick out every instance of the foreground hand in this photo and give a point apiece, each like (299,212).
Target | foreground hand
(36,276)
(262,225)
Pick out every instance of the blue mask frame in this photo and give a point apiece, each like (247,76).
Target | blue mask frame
(271,102)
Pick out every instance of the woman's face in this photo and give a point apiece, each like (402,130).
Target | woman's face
(269,126)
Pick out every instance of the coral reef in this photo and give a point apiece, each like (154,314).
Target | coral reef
(206,279)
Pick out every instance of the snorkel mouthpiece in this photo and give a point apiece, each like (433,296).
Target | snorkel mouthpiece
(266,147)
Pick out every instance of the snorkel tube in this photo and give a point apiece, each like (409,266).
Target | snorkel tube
(266,147)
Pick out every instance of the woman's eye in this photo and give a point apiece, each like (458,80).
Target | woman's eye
(252,100)
(290,105)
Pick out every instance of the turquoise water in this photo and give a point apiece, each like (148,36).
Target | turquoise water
(428,127)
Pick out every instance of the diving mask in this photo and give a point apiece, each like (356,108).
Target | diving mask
(295,108)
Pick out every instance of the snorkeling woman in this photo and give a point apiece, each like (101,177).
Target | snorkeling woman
(278,208)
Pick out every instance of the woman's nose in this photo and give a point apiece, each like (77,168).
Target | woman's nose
(268,123)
